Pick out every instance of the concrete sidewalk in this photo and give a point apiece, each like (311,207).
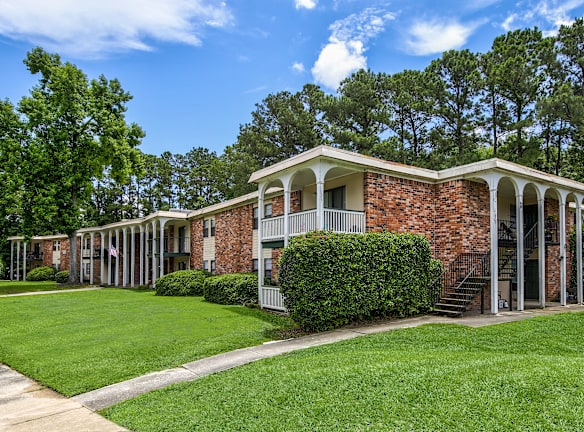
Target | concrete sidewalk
(27,406)
(33,293)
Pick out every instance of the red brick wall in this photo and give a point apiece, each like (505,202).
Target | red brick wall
(197,243)
(295,203)
(398,205)
(47,253)
(234,240)
(66,254)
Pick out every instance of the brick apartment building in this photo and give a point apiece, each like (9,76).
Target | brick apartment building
(477,217)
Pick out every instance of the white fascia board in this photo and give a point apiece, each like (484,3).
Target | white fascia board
(364,163)
(226,205)
(39,238)
(126,223)
(475,170)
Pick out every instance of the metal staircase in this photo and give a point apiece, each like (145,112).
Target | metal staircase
(468,275)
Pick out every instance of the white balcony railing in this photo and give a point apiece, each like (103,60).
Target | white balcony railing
(341,221)
(272,299)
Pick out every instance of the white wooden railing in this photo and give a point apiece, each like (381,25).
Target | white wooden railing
(342,221)
(272,299)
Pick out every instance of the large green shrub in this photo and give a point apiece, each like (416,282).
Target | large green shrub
(329,280)
(182,283)
(38,274)
(235,288)
(2,269)
(62,276)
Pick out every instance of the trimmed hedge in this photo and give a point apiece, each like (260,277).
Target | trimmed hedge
(182,283)
(62,276)
(232,289)
(38,274)
(330,280)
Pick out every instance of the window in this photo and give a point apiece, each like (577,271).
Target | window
(267,270)
(88,243)
(335,198)
(206,265)
(268,210)
(212,267)
(256,215)
(206,228)
(87,270)
(212,227)
(254,265)
(181,240)
(57,245)
(182,265)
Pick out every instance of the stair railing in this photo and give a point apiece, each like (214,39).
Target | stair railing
(454,272)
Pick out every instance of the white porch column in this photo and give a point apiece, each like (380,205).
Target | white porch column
(153,250)
(541,248)
(24,261)
(162,223)
(102,253)
(81,247)
(117,261)
(142,254)
(286,215)
(563,250)
(17,260)
(125,258)
(147,249)
(109,259)
(91,253)
(11,259)
(261,191)
(320,204)
(132,255)
(579,249)
(494,250)
(520,253)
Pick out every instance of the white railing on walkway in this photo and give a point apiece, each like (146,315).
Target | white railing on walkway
(272,299)
(302,222)
(341,221)
(344,221)
(273,228)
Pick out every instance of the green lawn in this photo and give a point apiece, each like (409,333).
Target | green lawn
(76,342)
(17,287)
(523,376)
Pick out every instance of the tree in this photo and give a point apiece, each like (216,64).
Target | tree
(358,116)
(456,84)
(75,129)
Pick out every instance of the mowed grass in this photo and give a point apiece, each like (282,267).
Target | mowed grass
(17,287)
(76,342)
(523,376)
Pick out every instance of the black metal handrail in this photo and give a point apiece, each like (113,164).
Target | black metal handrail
(456,271)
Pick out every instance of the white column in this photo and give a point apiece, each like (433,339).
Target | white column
(541,249)
(117,261)
(147,248)
(563,250)
(125,258)
(162,223)
(18,260)
(11,259)
(81,245)
(153,253)
(102,255)
(142,253)
(286,215)
(579,250)
(494,251)
(132,255)
(261,189)
(520,254)
(91,252)
(320,205)
(24,261)
(109,260)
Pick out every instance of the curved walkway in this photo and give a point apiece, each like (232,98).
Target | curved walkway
(28,406)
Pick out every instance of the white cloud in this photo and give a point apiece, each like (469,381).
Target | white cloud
(436,37)
(508,23)
(556,12)
(298,67)
(345,51)
(94,28)
(306,4)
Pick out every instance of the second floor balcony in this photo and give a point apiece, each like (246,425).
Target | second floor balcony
(339,221)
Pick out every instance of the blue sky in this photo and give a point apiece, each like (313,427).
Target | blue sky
(196,68)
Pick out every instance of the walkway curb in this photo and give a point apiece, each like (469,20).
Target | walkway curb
(107,396)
